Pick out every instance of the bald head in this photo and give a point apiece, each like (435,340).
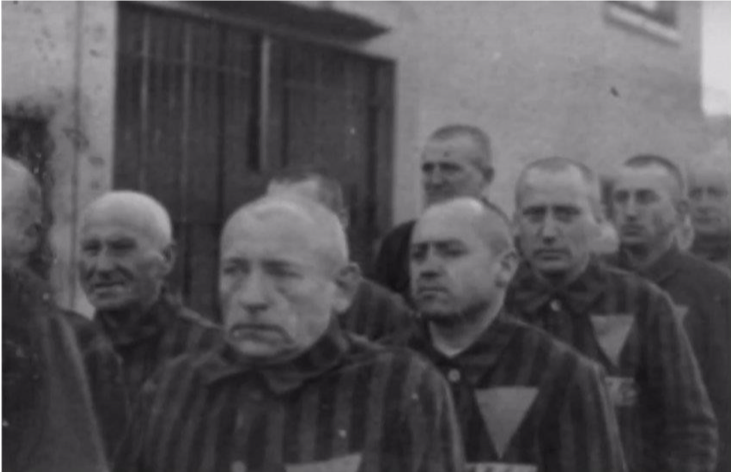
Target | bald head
(488,221)
(134,210)
(22,213)
(301,219)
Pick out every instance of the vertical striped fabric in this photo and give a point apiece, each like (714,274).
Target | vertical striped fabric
(545,404)
(629,326)
(166,331)
(702,294)
(375,312)
(344,405)
(106,379)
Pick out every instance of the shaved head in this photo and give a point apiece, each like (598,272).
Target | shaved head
(22,213)
(487,219)
(306,217)
(133,209)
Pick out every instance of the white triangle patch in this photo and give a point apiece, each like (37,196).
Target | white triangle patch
(349,463)
(611,332)
(681,311)
(503,410)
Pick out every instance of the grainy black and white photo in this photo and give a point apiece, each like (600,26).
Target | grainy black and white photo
(366,236)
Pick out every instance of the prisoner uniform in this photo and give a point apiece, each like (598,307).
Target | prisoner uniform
(344,405)
(375,312)
(714,248)
(702,294)
(527,402)
(144,343)
(629,326)
(106,379)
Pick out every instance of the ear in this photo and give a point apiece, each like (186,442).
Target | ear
(508,264)
(347,282)
(169,254)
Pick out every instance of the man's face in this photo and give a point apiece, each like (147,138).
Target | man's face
(710,202)
(276,290)
(448,169)
(121,265)
(644,211)
(555,222)
(454,273)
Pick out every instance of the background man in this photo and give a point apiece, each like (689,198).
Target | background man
(523,399)
(290,390)
(126,253)
(649,209)
(710,209)
(622,321)
(456,161)
(48,418)
(375,311)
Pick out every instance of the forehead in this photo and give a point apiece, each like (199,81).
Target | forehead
(710,178)
(456,148)
(564,187)
(648,177)
(273,235)
(125,223)
(447,226)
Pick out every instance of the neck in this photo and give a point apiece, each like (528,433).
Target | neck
(641,257)
(453,338)
(559,279)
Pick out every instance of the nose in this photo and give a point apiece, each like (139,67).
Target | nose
(252,294)
(434,176)
(549,228)
(102,262)
(428,267)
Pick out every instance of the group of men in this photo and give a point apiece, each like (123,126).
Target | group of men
(481,343)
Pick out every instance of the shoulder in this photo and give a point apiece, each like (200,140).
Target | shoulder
(702,272)
(379,296)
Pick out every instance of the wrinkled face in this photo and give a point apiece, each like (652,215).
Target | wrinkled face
(448,169)
(122,265)
(454,273)
(710,202)
(277,292)
(644,210)
(555,222)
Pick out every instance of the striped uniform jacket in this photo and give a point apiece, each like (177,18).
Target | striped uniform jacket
(629,326)
(345,405)
(376,312)
(702,294)
(166,331)
(106,379)
(527,402)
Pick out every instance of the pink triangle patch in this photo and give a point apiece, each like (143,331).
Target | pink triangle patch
(611,333)
(503,409)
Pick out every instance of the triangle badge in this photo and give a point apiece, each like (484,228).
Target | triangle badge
(349,463)
(503,410)
(611,333)
(681,311)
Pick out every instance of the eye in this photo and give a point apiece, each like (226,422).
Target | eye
(418,253)
(566,213)
(717,192)
(621,197)
(90,248)
(534,214)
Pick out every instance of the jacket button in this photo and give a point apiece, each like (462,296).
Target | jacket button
(555,305)
(238,466)
(454,376)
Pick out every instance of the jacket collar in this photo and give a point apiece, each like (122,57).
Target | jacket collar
(713,247)
(531,293)
(662,269)
(225,363)
(135,327)
(479,359)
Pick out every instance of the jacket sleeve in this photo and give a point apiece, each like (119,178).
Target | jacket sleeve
(684,419)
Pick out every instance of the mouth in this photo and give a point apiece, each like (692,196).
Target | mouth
(632,230)
(242,332)
(107,285)
(550,253)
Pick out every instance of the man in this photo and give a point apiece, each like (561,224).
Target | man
(126,253)
(48,417)
(375,312)
(456,161)
(710,210)
(525,402)
(622,321)
(291,391)
(649,209)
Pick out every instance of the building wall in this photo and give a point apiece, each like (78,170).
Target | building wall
(58,63)
(541,77)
